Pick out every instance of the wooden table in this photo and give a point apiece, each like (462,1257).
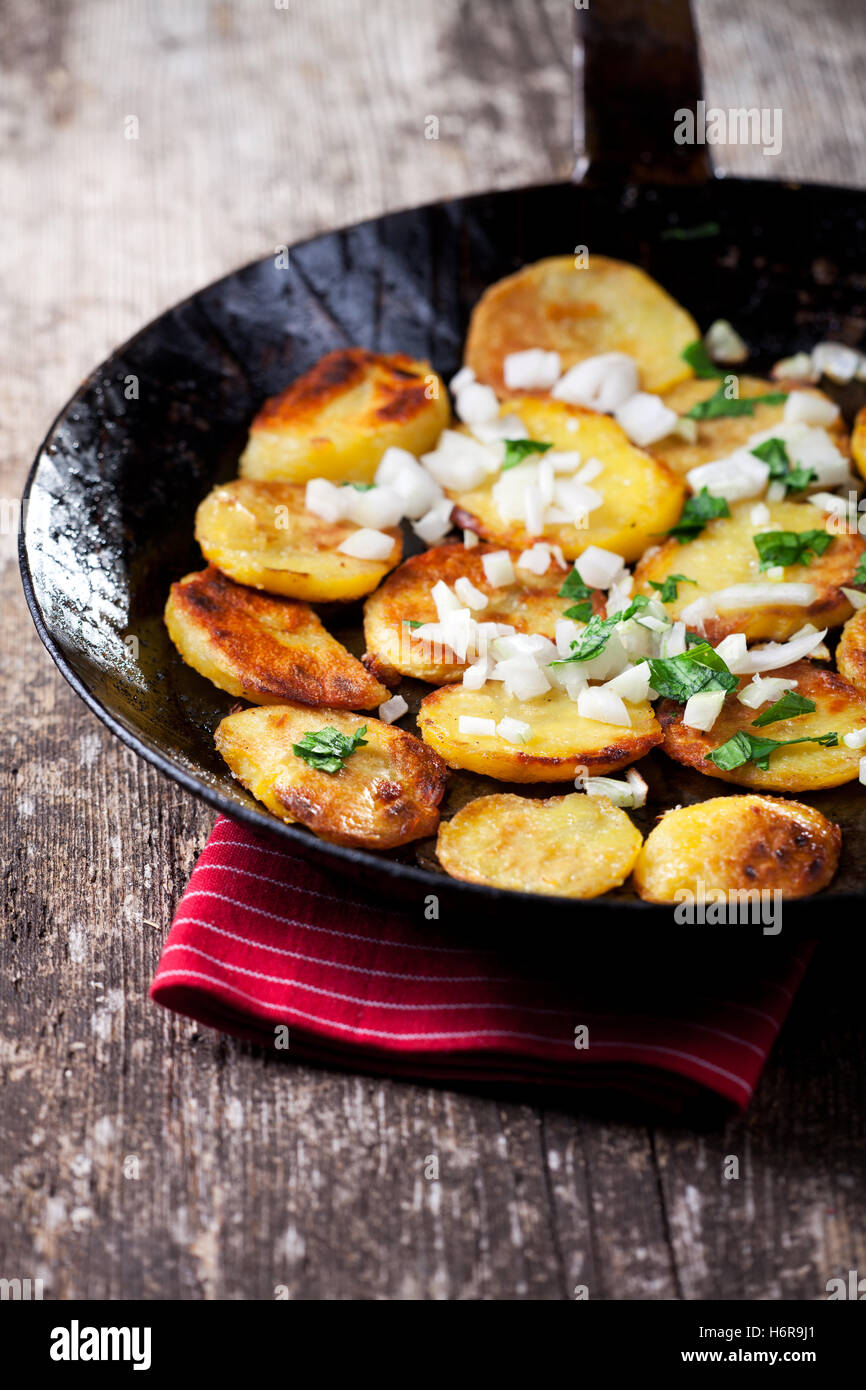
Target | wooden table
(140,1156)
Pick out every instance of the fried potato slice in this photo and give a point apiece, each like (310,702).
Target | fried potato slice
(573,846)
(386,793)
(561,742)
(641,496)
(851,651)
(530,605)
(738,844)
(725,554)
(337,420)
(718,438)
(265,649)
(839,708)
(858,441)
(261,534)
(609,306)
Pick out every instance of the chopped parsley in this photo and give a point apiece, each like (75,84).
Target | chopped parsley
(774,453)
(596,635)
(789,705)
(574,587)
(693,671)
(860,572)
(326,750)
(516,450)
(668,587)
(360,487)
(749,748)
(700,361)
(790,547)
(696,512)
(413,622)
(698,233)
(719,404)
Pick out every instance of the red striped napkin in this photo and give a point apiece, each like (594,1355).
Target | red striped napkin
(262,939)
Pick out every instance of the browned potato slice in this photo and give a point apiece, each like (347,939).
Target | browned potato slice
(261,534)
(609,306)
(839,708)
(858,441)
(531,605)
(573,846)
(738,844)
(716,439)
(851,651)
(266,649)
(724,554)
(337,420)
(560,744)
(641,496)
(385,794)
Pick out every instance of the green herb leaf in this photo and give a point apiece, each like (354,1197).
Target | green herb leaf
(698,669)
(696,513)
(774,453)
(693,639)
(719,404)
(790,547)
(516,450)
(581,612)
(789,705)
(596,635)
(327,749)
(749,748)
(668,587)
(359,487)
(860,572)
(700,361)
(698,233)
(413,622)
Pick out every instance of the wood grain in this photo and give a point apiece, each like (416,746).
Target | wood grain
(139,1156)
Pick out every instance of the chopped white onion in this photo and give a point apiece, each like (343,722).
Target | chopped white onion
(862,772)
(458,629)
(393,709)
(617,792)
(533,509)
(376,507)
(631,684)
(469,595)
(477,674)
(777,491)
(599,568)
(698,612)
(476,404)
(460,462)
(367,544)
(446,601)
(808,408)
(523,679)
(738,476)
(506,427)
(563,460)
(732,650)
(567,631)
(775,654)
(464,377)
(514,730)
(856,738)
(855,597)
(797,368)
(645,418)
(763,690)
(638,786)
(434,525)
(673,642)
(836,361)
(759,514)
(600,703)
(536,560)
(759,594)
(470,540)
(498,569)
(531,370)
(702,710)
(600,383)
(724,343)
(470,724)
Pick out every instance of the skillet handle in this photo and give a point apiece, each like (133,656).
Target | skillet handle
(635,64)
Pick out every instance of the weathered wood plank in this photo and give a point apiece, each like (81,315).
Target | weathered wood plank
(258,126)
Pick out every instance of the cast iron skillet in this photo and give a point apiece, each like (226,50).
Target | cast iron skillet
(107,521)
